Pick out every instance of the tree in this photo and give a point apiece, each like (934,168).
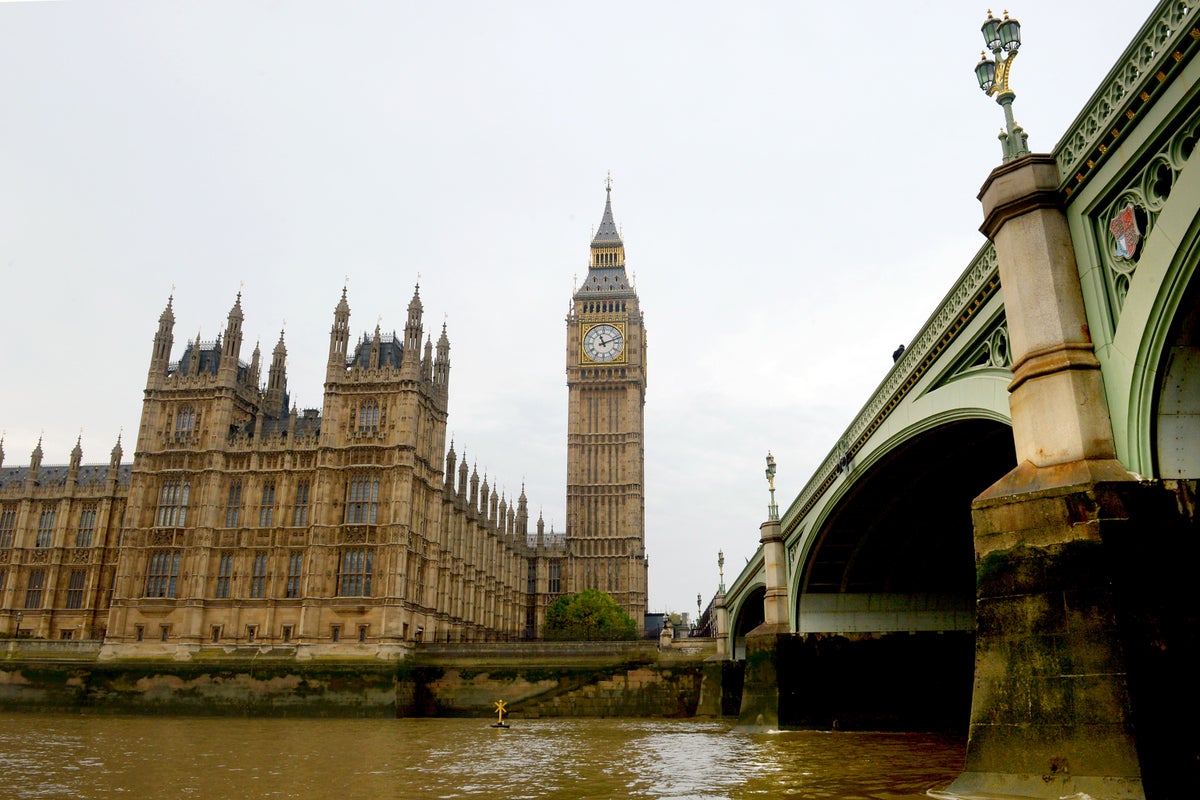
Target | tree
(591,615)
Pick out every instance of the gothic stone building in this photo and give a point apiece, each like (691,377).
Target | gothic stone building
(243,521)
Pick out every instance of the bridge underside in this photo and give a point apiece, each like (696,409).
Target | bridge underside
(897,554)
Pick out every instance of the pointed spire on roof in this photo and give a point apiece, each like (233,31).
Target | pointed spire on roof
(607,234)
(168,314)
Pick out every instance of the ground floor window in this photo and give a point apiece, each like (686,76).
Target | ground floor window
(354,573)
(75,588)
(33,589)
(162,575)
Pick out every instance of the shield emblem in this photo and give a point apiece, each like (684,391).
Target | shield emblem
(1125,228)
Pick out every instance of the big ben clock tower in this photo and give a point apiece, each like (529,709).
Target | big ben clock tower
(606,384)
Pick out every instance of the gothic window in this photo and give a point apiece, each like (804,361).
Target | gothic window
(45,529)
(531,577)
(8,524)
(87,527)
(266,511)
(295,572)
(233,507)
(185,423)
(172,503)
(75,588)
(368,417)
(33,589)
(224,575)
(362,499)
(163,573)
(300,518)
(354,573)
(555,570)
(258,578)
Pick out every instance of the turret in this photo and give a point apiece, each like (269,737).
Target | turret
(376,344)
(255,365)
(541,531)
(114,463)
(427,362)
(522,520)
(412,328)
(474,500)
(35,464)
(441,365)
(493,506)
(339,339)
(502,516)
(1,451)
(462,479)
(484,497)
(160,357)
(450,461)
(276,399)
(232,342)
(76,458)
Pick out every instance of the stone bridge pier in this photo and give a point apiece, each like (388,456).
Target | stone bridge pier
(1078,600)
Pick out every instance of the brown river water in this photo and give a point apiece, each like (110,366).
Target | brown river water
(92,756)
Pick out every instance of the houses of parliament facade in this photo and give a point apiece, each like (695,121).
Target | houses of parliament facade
(356,527)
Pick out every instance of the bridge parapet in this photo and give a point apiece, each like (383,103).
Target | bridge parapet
(974,287)
(1135,81)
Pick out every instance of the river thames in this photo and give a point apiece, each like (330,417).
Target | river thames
(92,756)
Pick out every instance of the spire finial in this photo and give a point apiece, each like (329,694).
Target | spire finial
(608,182)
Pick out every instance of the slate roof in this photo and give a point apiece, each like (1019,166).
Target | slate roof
(57,475)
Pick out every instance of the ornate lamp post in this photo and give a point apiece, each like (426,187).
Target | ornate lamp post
(721,569)
(772,510)
(1003,38)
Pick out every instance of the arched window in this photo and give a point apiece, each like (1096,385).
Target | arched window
(368,417)
(172,503)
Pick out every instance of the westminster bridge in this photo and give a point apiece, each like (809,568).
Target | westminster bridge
(1007,529)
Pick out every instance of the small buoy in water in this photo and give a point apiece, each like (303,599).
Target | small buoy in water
(501,710)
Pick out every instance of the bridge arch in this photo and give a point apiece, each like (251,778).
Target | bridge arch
(745,617)
(893,549)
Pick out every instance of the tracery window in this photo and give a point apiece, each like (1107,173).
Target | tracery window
(266,510)
(233,506)
(258,578)
(172,503)
(33,589)
(300,517)
(45,529)
(163,573)
(295,572)
(362,499)
(185,423)
(555,575)
(224,575)
(354,573)
(75,586)
(87,527)
(8,525)
(368,417)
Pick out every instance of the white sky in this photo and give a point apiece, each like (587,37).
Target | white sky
(795,184)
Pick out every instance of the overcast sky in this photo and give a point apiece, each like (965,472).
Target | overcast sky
(795,184)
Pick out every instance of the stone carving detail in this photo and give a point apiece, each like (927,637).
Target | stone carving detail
(38,556)
(990,351)
(1094,125)
(4,556)
(1147,191)
(354,536)
(161,538)
(80,556)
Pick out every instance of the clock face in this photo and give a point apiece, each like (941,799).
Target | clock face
(603,343)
